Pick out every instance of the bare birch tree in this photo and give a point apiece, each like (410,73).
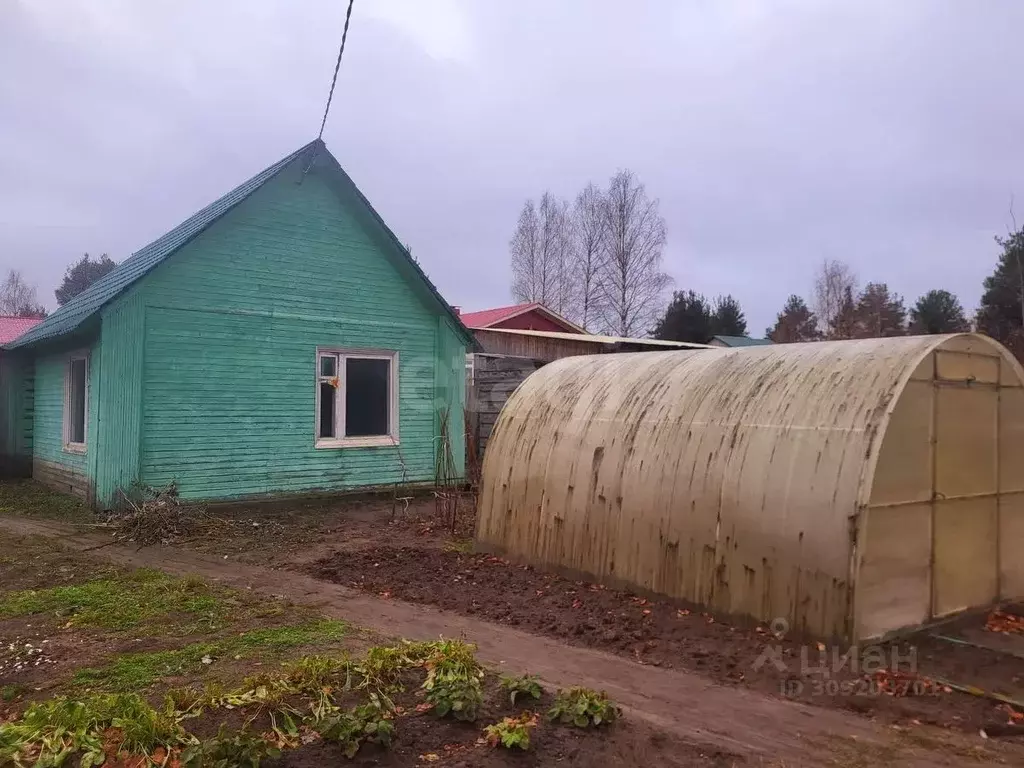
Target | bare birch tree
(590,230)
(541,250)
(833,281)
(17,297)
(632,281)
(527,277)
(556,249)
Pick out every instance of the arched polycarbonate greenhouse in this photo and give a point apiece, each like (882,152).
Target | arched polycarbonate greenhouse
(853,488)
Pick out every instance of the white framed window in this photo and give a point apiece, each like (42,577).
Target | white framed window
(356,397)
(76,402)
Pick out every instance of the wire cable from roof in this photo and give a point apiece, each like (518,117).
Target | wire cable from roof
(337,66)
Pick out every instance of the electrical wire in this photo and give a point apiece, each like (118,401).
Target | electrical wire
(337,65)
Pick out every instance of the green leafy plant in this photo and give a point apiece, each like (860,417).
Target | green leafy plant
(382,667)
(367,723)
(583,708)
(511,732)
(460,698)
(311,674)
(453,680)
(12,691)
(526,685)
(242,750)
(54,730)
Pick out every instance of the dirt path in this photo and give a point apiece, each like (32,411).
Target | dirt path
(767,730)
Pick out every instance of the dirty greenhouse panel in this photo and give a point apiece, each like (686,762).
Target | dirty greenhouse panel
(740,479)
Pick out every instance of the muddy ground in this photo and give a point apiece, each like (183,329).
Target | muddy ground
(708,663)
(423,739)
(48,651)
(413,555)
(409,549)
(661,634)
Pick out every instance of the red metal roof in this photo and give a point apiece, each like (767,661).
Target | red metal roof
(12,327)
(486,318)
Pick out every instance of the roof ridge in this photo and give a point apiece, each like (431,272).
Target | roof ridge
(75,312)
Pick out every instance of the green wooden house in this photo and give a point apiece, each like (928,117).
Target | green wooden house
(280,341)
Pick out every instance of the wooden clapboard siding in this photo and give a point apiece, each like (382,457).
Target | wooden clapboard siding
(120,397)
(495,378)
(52,463)
(203,348)
(226,333)
(64,478)
(17,395)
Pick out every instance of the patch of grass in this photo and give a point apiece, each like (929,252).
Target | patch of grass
(460,546)
(119,603)
(137,671)
(27,497)
(281,638)
(12,691)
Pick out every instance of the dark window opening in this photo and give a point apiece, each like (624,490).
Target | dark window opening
(367,397)
(76,401)
(327,400)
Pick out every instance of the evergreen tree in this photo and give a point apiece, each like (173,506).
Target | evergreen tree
(938,311)
(689,317)
(1000,312)
(794,323)
(879,313)
(81,275)
(727,318)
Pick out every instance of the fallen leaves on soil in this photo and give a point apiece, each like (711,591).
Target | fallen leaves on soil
(1005,622)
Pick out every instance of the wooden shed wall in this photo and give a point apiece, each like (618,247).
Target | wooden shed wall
(534,347)
(495,378)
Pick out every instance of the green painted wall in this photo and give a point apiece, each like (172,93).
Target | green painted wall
(48,410)
(210,359)
(120,396)
(17,395)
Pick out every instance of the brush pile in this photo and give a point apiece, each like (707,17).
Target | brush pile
(151,516)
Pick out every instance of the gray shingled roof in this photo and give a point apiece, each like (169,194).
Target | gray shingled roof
(86,304)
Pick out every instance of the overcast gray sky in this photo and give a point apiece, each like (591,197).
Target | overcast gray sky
(775,133)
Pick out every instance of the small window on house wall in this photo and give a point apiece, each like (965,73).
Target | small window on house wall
(76,402)
(356,398)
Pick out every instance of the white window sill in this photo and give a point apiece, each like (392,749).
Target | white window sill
(74,447)
(356,442)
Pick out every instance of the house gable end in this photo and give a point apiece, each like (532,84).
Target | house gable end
(314,159)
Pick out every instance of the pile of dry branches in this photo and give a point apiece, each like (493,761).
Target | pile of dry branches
(151,516)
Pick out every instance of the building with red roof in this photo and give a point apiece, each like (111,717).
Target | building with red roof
(531,316)
(12,327)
